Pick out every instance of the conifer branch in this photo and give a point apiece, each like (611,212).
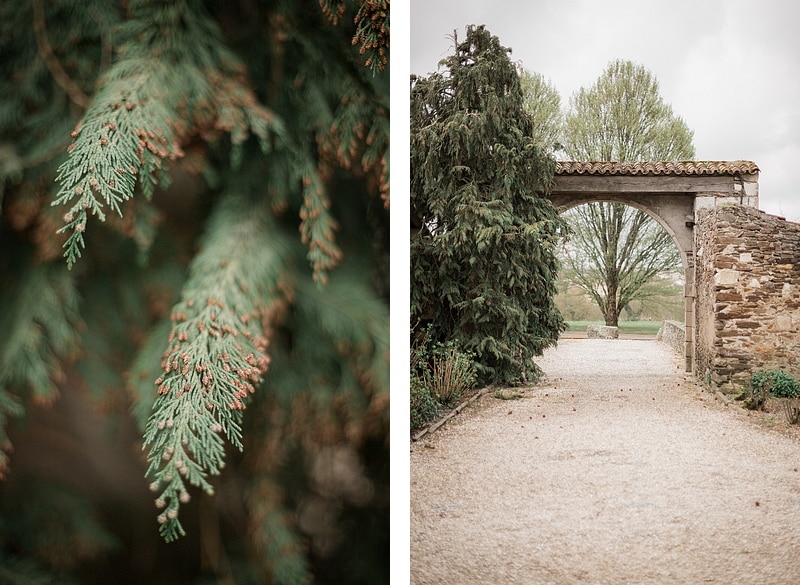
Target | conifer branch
(144,369)
(126,132)
(60,76)
(317,227)
(41,324)
(332,388)
(162,93)
(355,325)
(275,535)
(217,353)
(333,9)
(372,31)
(352,144)
(338,369)
(105,38)
(10,407)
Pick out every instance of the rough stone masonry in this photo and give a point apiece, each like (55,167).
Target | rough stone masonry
(748,295)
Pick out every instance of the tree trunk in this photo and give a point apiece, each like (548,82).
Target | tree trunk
(611,314)
(611,311)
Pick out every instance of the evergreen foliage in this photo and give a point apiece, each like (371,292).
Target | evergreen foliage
(483,260)
(228,307)
(40,316)
(440,375)
(172,83)
(216,353)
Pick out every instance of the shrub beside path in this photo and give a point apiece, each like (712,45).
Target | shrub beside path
(616,468)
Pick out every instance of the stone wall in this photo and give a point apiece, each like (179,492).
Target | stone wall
(673,334)
(747,295)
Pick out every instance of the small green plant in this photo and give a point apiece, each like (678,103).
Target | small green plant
(754,395)
(440,375)
(775,383)
(424,407)
(452,372)
(764,384)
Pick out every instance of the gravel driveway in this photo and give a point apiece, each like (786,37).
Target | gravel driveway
(615,469)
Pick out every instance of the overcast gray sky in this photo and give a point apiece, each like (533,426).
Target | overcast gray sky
(729,68)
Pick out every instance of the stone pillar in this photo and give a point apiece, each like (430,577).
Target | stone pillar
(689,295)
(745,193)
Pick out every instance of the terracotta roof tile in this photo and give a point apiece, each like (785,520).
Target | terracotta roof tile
(691,167)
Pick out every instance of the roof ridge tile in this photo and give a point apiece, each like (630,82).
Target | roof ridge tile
(690,167)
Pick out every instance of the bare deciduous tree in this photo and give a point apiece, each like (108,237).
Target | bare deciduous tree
(617,250)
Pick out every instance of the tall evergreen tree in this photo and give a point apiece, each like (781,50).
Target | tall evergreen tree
(216,177)
(618,250)
(483,262)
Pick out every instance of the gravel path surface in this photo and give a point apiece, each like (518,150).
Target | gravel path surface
(617,469)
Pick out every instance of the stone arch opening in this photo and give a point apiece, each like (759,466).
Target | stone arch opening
(564,207)
(650,212)
(671,193)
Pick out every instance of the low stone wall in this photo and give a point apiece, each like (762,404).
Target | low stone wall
(747,295)
(673,334)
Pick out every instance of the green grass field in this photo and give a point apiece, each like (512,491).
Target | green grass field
(634,327)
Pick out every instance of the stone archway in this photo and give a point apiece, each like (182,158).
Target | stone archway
(671,193)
